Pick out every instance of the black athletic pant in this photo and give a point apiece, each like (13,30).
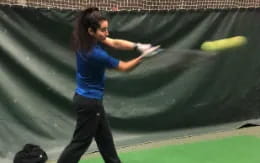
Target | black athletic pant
(91,123)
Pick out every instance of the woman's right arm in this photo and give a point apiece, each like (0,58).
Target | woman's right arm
(128,65)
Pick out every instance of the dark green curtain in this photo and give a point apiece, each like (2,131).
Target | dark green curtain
(179,89)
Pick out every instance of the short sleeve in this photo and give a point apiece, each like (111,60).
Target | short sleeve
(107,60)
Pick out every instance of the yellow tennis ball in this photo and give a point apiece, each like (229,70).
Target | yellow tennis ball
(223,44)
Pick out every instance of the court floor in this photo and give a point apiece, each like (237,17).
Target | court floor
(238,145)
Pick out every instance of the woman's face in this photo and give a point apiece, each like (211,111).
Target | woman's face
(102,31)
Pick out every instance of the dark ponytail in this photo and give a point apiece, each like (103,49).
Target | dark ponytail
(89,18)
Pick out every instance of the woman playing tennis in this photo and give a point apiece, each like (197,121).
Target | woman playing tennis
(90,33)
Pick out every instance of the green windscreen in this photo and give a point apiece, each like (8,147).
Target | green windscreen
(166,96)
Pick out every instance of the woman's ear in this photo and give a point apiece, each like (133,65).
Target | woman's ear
(90,31)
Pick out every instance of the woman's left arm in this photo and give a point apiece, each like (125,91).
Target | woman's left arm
(125,44)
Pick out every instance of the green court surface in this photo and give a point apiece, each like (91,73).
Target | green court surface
(236,149)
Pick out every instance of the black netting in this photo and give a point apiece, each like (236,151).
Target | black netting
(118,5)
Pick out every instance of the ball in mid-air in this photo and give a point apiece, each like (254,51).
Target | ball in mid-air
(224,44)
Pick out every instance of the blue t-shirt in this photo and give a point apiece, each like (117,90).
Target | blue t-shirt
(90,74)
